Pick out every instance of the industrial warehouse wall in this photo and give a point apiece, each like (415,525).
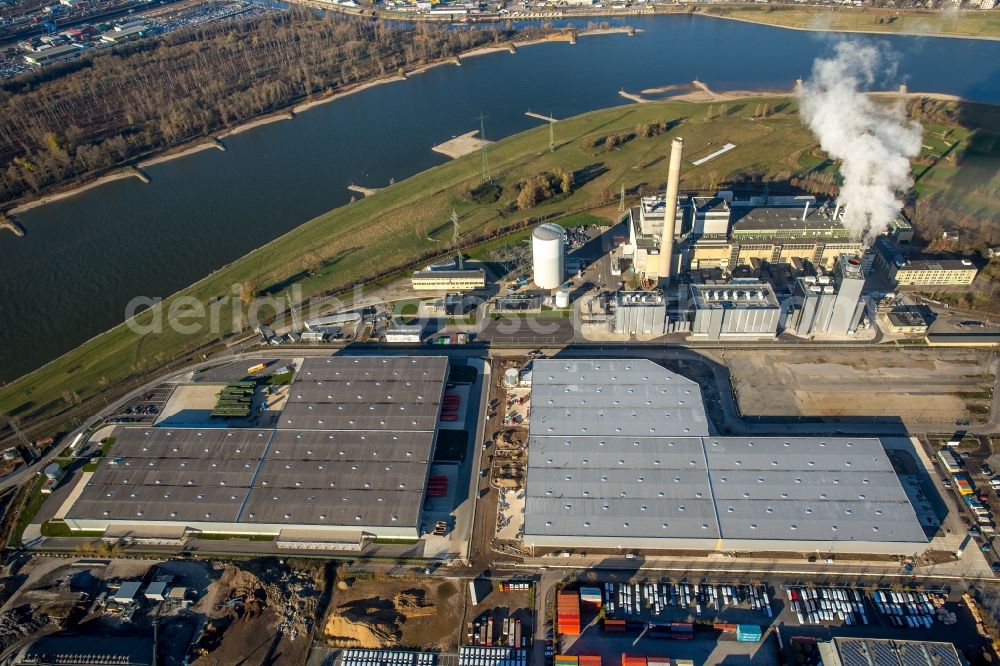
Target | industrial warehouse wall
(716,323)
(247,529)
(791,547)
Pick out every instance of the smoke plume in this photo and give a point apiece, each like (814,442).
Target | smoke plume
(873,142)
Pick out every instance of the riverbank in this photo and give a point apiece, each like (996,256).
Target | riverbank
(982,25)
(118,174)
(189,148)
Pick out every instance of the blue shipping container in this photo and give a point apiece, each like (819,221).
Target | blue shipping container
(748,633)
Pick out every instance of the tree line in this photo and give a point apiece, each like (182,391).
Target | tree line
(72,121)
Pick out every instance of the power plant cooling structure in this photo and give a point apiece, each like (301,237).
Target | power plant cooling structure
(670,211)
(548,251)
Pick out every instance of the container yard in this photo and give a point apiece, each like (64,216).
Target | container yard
(568,613)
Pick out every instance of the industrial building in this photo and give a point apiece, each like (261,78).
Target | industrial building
(842,651)
(53,54)
(640,313)
(905,321)
(404,333)
(548,256)
(726,232)
(922,272)
(620,457)
(828,304)
(740,309)
(348,461)
(124,34)
(655,224)
(463,280)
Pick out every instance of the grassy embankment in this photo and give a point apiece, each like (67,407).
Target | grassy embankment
(396,226)
(979,24)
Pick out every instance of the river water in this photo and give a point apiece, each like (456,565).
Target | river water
(85,257)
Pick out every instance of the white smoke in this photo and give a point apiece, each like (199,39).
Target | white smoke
(873,142)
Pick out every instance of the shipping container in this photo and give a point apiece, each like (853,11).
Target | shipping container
(590,660)
(748,633)
(617,626)
(633,660)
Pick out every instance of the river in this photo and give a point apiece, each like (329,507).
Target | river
(86,256)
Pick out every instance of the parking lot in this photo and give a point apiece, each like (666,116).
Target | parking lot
(695,620)
(144,409)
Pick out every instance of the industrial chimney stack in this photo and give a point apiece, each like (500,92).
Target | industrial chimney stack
(670,212)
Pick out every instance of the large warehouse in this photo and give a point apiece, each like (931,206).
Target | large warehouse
(620,457)
(348,461)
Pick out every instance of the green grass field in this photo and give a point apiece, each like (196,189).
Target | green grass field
(966,24)
(401,224)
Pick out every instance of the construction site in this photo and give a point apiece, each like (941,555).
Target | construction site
(930,387)
(379,611)
(136,611)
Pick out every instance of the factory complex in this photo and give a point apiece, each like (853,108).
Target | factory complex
(620,457)
(347,462)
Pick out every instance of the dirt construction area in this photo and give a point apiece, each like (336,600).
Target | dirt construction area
(919,386)
(260,612)
(373,611)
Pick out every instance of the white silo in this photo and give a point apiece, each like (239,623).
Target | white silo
(562,299)
(547,251)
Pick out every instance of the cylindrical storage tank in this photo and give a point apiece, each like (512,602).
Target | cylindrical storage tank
(511,377)
(53,471)
(562,299)
(547,253)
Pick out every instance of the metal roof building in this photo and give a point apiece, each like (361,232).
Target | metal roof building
(350,457)
(886,652)
(620,456)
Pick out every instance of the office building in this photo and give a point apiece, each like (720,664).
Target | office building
(921,272)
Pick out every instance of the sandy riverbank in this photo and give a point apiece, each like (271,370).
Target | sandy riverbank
(177,154)
(239,129)
(56,196)
(699,91)
(822,28)
(461,145)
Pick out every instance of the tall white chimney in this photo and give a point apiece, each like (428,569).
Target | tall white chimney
(805,212)
(836,211)
(670,211)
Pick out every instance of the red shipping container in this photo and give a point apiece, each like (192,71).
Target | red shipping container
(631,660)
(590,660)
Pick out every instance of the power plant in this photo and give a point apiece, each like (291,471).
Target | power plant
(548,253)
(670,211)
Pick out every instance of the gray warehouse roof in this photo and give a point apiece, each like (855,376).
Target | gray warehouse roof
(352,461)
(620,449)
(884,652)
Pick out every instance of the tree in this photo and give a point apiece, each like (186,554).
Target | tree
(567,182)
